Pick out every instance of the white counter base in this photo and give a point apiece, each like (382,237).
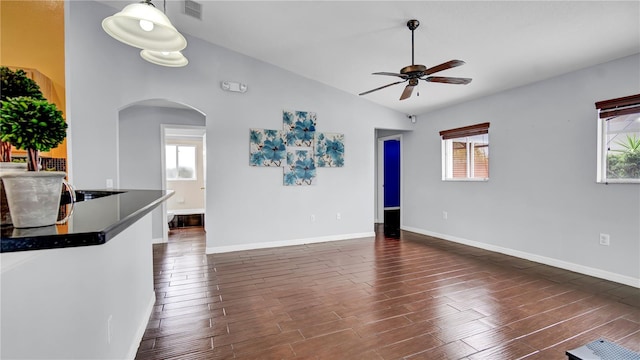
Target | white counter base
(90,302)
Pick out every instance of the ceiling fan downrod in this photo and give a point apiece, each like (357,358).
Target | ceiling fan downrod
(413,70)
(412,25)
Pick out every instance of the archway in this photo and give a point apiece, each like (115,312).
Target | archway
(140,150)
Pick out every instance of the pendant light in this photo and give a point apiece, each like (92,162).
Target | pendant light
(165,58)
(143,26)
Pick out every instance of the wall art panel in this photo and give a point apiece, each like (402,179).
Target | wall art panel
(267,147)
(329,149)
(299,127)
(300,169)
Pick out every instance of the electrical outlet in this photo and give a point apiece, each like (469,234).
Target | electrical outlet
(109,183)
(605,239)
(312,218)
(338,216)
(445,215)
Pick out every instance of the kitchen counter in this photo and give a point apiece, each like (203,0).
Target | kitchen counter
(94,221)
(88,302)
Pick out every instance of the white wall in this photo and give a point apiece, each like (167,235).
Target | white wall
(542,201)
(246,206)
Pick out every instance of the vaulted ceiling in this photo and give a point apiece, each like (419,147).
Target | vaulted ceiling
(505,44)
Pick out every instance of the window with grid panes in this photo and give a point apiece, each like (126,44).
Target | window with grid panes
(465,153)
(619,140)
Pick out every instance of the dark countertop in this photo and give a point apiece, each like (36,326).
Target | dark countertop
(93,221)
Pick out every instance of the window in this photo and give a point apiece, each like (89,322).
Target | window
(181,162)
(465,153)
(619,140)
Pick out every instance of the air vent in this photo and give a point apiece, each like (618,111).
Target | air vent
(193,9)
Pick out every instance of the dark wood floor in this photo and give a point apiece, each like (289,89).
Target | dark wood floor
(414,298)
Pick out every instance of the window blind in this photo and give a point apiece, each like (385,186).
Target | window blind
(470,130)
(620,106)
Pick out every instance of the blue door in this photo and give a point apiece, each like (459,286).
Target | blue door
(392,174)
(392,189)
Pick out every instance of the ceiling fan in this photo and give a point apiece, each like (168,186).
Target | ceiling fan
(413,72)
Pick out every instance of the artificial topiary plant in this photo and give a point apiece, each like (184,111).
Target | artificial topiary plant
(14,84)
(33,125)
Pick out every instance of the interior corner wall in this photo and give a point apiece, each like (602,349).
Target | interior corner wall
(246,206)
(542,201)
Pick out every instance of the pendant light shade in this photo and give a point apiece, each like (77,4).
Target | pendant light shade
(143,26)
(163,58)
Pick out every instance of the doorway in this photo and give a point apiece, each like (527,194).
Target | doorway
(184,156)
(140,159)
(389,183)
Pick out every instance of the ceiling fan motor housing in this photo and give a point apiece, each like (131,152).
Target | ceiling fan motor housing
(413,70)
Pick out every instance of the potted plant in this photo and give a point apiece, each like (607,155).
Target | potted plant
(31,124)
(14,84)
(34,125)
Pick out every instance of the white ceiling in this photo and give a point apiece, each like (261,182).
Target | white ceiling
(505,44)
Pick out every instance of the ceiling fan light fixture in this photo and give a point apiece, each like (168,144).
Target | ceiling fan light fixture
(143,26)
(165,58)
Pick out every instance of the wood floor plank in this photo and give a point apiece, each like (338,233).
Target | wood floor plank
(416,297)
(452,350)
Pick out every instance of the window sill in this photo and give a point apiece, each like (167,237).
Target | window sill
(619,181)
(466,180)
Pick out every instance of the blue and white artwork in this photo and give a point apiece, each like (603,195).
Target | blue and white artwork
(267,148)
(297,148)
(299,127)
(300,169)
(329,149)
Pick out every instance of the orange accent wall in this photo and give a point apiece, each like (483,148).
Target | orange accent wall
(32,36)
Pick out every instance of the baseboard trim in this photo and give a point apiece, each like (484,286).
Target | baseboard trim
(185,211)
(586,270)
(273,244)
(157,241)
(133,349)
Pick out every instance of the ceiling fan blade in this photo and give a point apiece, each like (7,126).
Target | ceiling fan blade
(404,76)
(381,87)
(444,66)
(407,92)
(448,80)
